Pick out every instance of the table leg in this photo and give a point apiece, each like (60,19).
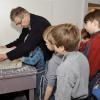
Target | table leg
(31,94)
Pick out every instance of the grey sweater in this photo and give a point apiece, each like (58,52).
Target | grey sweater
(52,66)
(72,77)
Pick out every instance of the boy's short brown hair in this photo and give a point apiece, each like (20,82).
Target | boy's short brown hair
(66,35)
(19,11)
(46,32)
(94,15)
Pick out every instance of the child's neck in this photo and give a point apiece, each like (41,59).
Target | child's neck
(64,52)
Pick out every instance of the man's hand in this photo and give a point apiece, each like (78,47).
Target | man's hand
(3,46)
(3,57)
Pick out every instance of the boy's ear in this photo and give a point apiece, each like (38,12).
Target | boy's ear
(61,48)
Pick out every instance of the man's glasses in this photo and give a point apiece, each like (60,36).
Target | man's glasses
(20,22)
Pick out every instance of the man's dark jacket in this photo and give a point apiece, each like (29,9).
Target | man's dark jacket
(30,38)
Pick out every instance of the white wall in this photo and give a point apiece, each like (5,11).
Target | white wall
(69,11)
(56,11)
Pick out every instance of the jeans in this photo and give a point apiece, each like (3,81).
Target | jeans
(36,58)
